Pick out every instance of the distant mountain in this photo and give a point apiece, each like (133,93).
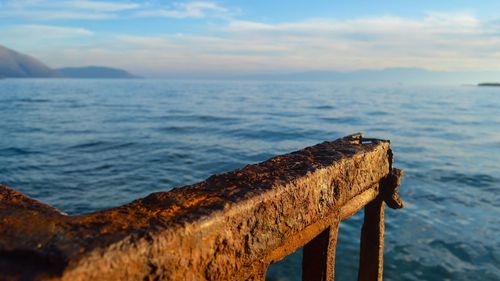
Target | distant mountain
(94,72)
(14,64)
(17,65)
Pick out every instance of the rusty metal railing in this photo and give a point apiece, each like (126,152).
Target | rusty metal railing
(229,227)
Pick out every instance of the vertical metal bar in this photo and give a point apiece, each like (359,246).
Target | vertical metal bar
(318,262)
(371,260)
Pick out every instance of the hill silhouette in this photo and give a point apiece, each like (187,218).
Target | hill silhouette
(17,65)
(14,64)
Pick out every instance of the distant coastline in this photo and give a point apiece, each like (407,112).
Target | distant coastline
(489,84)
(17,65)
(95,72)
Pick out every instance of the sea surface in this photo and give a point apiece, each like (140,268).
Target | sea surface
(87,145)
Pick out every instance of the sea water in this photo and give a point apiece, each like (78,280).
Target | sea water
(87,145)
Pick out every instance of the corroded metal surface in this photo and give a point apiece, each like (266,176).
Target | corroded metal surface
(228,227)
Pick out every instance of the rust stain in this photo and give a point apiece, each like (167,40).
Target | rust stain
(228,227)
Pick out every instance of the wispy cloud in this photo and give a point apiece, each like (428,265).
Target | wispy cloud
(101,10)
(29,10)
(57,15)
(440,41)
(48,30)
(103,6)
(437,41)
(44,41)
(63,10)
(452,41)
(198,9)
(432,23)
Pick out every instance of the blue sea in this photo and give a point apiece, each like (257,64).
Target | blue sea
(87,145)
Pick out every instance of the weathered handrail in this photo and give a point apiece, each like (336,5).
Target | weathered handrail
(228,227)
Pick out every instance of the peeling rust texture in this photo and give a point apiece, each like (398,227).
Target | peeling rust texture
(228,227)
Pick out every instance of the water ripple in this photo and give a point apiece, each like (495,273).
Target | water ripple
(87,146)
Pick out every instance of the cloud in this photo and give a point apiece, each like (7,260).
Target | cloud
(101,10)
(38,40)
(439,41)
(57,15)
(64,10)
(102,6)
(209,44)
(442,41)
(199,9)
(48,30)
(432,23)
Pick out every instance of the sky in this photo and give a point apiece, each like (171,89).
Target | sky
(166,38)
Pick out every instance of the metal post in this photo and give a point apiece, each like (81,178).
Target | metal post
(371,260)
(318,262)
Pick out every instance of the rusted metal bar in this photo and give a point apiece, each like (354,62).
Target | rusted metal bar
(318,263)
(372,242)
(371,258)
(228,227)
